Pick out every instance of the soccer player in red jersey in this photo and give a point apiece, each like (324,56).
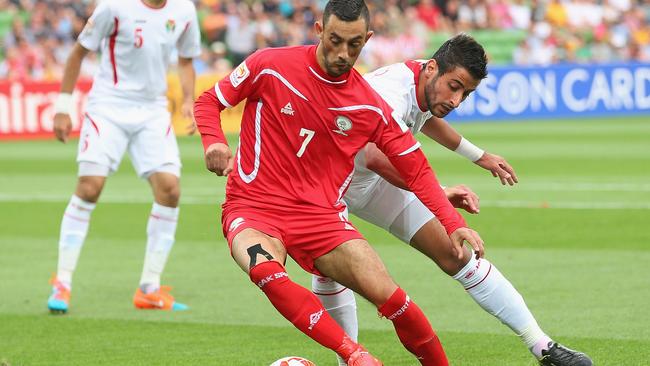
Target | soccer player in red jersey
(307,114)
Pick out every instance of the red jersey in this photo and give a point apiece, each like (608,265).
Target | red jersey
(301,130)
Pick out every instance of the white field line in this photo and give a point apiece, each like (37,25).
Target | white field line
(124,199)
(213,199)
(567,187)
(573,205)
(492,185)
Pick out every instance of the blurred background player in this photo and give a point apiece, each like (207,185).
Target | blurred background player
(127,110)
(421,93)
(307,114)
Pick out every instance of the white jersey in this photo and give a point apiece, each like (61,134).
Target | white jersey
(397,85)
(136,43)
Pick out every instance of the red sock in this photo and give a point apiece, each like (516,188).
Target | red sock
(413,329)
(297,304)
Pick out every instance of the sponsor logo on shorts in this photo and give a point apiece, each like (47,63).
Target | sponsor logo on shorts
(240,74)
(344,218)
(314,318)
(236,223)
(401,310)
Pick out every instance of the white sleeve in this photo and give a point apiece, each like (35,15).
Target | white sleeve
(189,43)
(387,90)
(400,106)
(100,25)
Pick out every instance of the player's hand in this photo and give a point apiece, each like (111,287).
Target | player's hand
(187,111)
(499,167)
(219,159)
(461,196)
(62,126)
(464,234)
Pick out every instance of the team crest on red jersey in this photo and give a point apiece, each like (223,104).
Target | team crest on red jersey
(343,124)
(170,25)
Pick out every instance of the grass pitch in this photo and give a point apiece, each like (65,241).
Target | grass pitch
(572,236)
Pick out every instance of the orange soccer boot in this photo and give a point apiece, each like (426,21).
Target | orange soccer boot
(59,300)
(355,354)
(157,300)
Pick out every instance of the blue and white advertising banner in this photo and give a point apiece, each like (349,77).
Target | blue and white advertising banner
(571,90)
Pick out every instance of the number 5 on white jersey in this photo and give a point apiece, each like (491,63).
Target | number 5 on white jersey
(310,135)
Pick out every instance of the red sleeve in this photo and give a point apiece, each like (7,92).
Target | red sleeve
(242,82)
(228,92)
(422,181)
(405,154)
(207,114)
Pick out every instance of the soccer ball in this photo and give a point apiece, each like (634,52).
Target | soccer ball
(293,361)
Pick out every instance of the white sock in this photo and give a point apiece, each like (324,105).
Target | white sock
(74,227)
(543,343)
(340,304)
(496,295)
(161,231)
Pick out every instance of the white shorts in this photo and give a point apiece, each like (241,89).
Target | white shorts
(398,211)
(146,131)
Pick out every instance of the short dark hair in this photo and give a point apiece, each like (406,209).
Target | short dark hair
(347,11)
(462,50)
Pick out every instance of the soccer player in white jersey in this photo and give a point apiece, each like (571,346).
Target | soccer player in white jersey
(421,93)
(127,110)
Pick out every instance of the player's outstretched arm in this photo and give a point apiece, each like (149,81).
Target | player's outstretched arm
(187,76)
(443,133)
(63,105)
(406,156)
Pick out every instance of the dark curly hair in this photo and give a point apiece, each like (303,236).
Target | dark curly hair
(462,50)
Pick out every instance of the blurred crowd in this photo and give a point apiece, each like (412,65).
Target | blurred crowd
(36,36)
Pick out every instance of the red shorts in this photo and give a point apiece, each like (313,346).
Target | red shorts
(306,236)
